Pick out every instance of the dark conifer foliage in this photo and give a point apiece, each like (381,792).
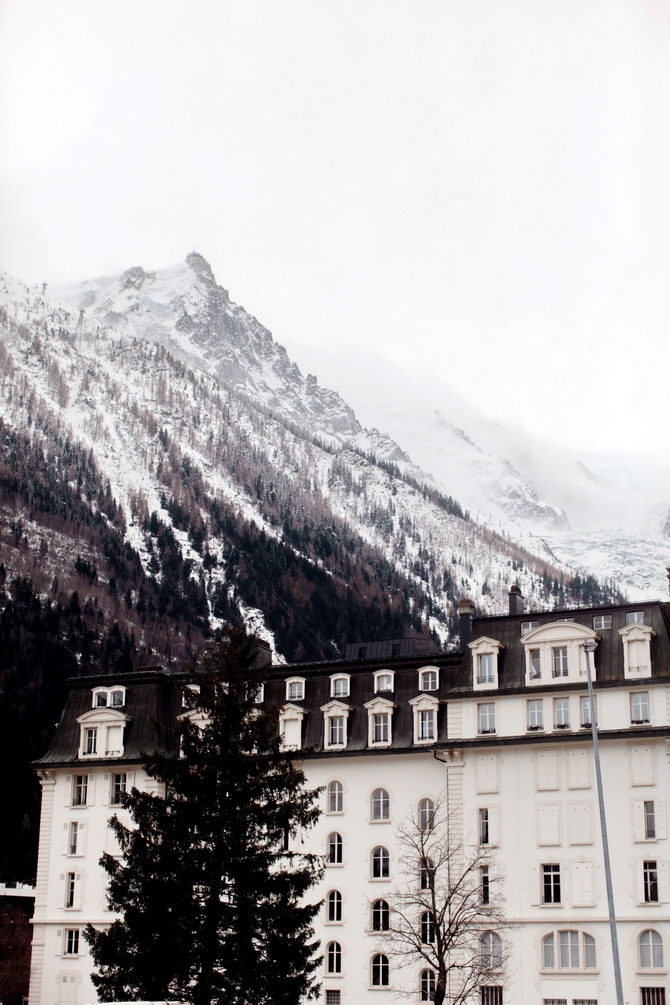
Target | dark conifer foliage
(210,892)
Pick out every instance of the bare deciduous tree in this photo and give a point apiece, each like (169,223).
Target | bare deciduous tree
(448,917)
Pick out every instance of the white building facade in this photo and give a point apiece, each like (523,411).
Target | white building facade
(498,736)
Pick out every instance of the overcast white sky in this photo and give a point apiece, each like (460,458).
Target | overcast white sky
(470,193)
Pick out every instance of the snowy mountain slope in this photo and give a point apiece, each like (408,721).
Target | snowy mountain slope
(262,514)
(603,514)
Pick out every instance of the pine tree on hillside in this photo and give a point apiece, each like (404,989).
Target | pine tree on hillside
(211,896)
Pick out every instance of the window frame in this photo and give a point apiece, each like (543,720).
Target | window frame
(380,675)
(335,846)
(561,713)
(429,679)
(380,915)
(379,971)
(335,794)
(299,684)
(534,715)
(333,958)
(340,679)
(380,806)
(486,714)
(333,908)
(654,951)
(380,863)
(642,716)
(551,883)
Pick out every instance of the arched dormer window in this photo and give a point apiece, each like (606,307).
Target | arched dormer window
(102,731)
(485,654)
(383,681)
(340,685)
(429,679)
(554,653)
(636,639)
(295,689)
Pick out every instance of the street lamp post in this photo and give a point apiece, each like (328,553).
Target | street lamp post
(590,646)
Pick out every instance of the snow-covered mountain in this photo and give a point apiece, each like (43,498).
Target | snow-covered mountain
(242,486)
(604,515)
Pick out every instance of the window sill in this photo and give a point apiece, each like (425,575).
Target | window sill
(558,971)
(651,972)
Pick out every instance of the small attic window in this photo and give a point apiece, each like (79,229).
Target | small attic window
(527,626)
(105,697)
(117,698)
(100,699)
(601,621)
(634,617)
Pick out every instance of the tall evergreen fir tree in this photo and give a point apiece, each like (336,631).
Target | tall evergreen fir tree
(210,892)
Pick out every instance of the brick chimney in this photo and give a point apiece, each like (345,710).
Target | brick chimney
(466,609)
(516,604)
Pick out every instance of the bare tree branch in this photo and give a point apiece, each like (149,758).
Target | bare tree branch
(448,916)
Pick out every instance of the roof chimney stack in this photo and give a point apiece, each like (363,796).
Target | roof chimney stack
(465,611)
(516,604)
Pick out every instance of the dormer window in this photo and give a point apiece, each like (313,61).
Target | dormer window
(428,679)
(485,654)
(636,638)
(425,709)
(602,621)
(109,697)
(528,626)
(335,716)
(339,686)
(102,729)
(380,722)
(555,653)
(634,617)
(290,726)
(383,682)
(295,689)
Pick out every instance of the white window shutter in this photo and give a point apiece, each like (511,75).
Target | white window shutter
(62,889)
(82,833)
(578,769)
(487,773)
(547,769)
(581,830)
(639,882)
(642,765)
(105,795)
(638,820)
(663,883)
(582,884)
(68,790)
(548,830)
(66,839)
(535,885)
(90,795)
(77,891)
(661,820)
(494,825)
(130,780)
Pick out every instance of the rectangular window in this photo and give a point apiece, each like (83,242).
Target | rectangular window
(639,708)
(336,731)
(80,790)
(560,662)
(492,995)
(551,885)
(73,838)
(380,724)
(601,621)
(71,942)
(484,885)
(535,715)
(585,711)
(333,998)
(584,1001)
(554,1001)
(427,725)
(295,690)
(484,831)
(635,617)
(487,718)
(485,669)
(528,626)
(340,687)
(653,996)
(561,713)
(649,820)
(535,669)
(91,741)
(119,782)
(650,882)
